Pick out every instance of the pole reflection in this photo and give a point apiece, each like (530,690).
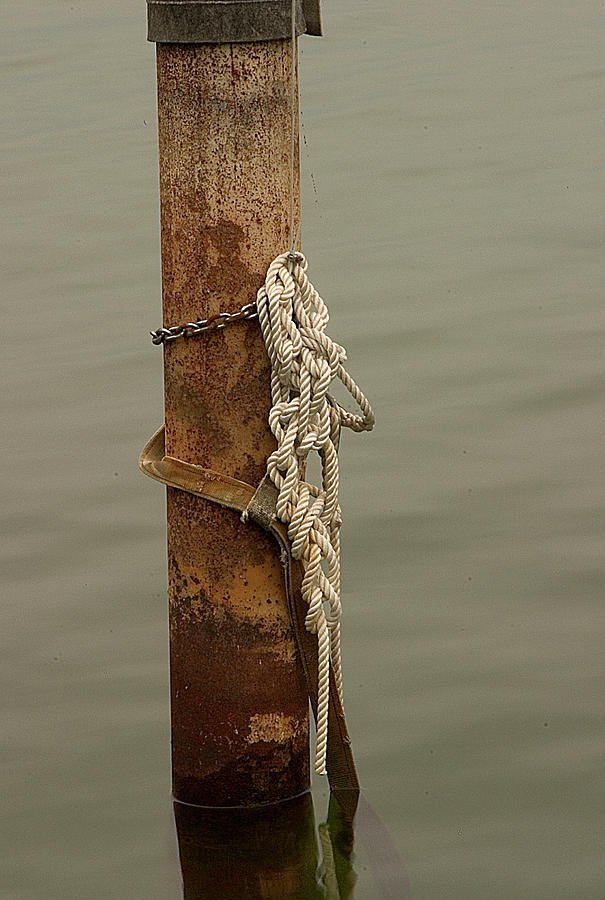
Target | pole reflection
(269,852)
(275,852)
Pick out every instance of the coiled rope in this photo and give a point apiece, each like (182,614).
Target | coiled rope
(305,418)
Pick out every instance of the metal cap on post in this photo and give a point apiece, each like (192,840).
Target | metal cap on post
(229,21)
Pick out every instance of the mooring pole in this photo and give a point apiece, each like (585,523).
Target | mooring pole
(239,707)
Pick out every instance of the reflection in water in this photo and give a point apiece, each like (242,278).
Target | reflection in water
(273,852)
(266,852)
(387,867)
(336,838)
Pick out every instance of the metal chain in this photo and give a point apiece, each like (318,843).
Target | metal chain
(212,323)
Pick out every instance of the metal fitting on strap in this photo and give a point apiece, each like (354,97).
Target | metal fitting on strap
(228,21)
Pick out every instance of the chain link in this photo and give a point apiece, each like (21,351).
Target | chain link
(212,323)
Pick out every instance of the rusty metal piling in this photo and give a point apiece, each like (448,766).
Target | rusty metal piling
(239,707)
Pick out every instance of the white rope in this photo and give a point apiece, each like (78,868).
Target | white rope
(304,417)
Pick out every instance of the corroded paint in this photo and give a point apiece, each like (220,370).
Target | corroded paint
(224,129)
(224,124)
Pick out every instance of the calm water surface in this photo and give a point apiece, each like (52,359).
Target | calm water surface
(451,185)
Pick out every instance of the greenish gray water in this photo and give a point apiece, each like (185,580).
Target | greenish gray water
(455,150)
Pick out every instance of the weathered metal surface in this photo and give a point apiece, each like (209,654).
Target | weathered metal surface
(209,22)
(196,480)
(261,854)
(259,506)
(239,705)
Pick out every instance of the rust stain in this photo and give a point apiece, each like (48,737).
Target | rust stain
(272,727)
(224,138)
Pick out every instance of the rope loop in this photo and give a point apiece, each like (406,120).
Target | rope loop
(305,418)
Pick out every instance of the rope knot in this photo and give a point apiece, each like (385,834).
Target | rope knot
(303,418)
